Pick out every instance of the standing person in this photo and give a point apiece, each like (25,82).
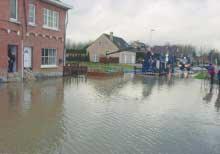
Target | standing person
(211,71)
(10,61)
(13,63)
(219,78)
(9,58)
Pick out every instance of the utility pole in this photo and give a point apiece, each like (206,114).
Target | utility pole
(151,37)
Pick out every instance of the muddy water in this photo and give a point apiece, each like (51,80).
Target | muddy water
(124,115)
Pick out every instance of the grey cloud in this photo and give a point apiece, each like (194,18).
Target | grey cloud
(176,21)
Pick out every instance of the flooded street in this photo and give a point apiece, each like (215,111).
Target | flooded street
(124,115)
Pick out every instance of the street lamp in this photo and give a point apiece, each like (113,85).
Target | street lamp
(151,36)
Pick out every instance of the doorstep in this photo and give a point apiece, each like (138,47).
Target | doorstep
(13,77)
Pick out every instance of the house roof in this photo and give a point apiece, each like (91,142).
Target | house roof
(59,3)
(138,44)
(119,42)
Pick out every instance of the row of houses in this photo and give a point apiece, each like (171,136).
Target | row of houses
(32,37)
(130,53)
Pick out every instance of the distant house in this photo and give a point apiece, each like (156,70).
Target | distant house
(109,43)
(139,46)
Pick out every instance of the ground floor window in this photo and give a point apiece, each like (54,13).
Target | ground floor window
(48,57)
(95,58)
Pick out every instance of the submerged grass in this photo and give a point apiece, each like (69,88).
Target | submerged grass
(201,75)
(106,67)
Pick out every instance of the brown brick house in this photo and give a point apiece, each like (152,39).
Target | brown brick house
(32,36)
(109,43)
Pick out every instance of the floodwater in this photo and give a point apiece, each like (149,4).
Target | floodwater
(123,115)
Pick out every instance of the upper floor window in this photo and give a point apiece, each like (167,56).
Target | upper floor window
(14,9)
(31,18)
(51,19)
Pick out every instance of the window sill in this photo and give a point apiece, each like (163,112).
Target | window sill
(14,21)
(49,66)
(54,29)
(32,24)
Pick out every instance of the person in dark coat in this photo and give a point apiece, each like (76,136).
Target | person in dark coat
(11,60)
(211,71)
(218,77)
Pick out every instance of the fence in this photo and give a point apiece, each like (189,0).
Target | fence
(105,60)
(74,69)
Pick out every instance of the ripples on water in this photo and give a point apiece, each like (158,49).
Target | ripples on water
(125,115)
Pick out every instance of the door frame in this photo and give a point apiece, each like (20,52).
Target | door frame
(30,47)
(16,56)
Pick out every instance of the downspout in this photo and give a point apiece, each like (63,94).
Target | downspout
(22,63)
(65,27)
(22,39)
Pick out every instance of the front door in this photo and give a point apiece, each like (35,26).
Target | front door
(27,57)
(12,58)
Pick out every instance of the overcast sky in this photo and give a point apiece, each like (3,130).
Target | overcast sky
(194,22)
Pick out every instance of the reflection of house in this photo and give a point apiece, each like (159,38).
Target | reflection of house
(32,36)
(109,43)
(34,112)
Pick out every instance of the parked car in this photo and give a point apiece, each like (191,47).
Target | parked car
(197,69)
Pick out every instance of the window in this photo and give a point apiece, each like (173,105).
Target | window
(51,19)
(14,10)
(48,57)
(31,18)
(95,58)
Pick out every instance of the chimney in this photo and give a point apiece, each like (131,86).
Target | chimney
(111,36)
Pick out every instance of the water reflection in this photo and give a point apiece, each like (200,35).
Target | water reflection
(208,96)
(217,102)
(68,81)
(211,92)
(128,114)
(31,117)
(107,87)
(149,83)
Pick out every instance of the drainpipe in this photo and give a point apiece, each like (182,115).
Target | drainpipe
(24,30)
(22,60)
(65,27)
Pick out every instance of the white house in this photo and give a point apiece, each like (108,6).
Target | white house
(109,43)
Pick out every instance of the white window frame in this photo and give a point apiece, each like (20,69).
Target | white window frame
(31,5)
(54,19)
(95,58)
(16,11)
(54,65)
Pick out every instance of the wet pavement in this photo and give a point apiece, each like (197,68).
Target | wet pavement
(123,115)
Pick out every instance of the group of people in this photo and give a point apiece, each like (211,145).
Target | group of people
(212,72)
